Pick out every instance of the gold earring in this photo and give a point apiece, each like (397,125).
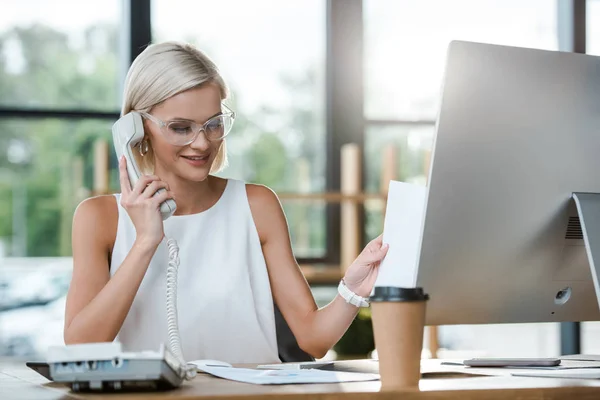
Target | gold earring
(144,147)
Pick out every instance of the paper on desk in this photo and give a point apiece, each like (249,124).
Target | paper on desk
(402,231)
(279,377)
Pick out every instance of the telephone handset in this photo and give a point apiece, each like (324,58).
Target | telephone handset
(128,132)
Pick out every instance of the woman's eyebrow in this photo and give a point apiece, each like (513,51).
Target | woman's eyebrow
(191,120)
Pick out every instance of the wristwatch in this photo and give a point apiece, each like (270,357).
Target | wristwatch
(351,297)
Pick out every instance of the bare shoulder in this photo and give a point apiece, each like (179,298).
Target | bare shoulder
(261,196)
(266,210)
(97,207)
(99,214)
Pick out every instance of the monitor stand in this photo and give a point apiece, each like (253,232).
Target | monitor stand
(588,208)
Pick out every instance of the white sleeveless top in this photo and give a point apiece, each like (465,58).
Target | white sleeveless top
(224,300)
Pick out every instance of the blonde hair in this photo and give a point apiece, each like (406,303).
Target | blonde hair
(161,71)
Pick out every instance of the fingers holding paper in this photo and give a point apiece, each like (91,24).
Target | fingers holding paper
(361,275)
(375,251)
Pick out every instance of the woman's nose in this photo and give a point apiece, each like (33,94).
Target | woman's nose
(201,142)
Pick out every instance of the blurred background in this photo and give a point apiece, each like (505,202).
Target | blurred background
(333,98)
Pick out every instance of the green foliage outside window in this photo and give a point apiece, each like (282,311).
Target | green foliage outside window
(49,72)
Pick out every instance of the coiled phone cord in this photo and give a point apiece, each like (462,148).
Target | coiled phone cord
(188,371)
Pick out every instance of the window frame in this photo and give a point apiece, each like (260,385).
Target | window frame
(136,34)
(572,32)
(344,88)
(345,121)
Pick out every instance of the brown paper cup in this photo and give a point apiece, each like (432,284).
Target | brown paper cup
(398,316)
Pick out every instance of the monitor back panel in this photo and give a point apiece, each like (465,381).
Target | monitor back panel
(518,131)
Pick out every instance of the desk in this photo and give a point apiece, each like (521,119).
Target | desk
(18,382)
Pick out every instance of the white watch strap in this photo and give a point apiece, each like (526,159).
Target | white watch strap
(351,297)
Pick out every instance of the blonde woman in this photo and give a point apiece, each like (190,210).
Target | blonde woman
(235,254)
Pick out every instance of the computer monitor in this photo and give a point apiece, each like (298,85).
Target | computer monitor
(518,132)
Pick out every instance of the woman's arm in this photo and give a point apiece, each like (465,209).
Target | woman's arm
(316,330)
(97,304)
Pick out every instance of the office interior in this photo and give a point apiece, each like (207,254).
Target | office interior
(333,99)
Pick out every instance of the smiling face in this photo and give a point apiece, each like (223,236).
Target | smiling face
(193,161)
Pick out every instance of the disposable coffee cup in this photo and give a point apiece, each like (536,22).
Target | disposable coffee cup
(398,316)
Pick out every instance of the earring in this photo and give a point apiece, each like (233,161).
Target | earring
(144,147)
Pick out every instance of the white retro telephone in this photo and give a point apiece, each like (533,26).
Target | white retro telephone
(128,133)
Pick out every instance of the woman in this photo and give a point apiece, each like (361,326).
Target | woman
(234,247)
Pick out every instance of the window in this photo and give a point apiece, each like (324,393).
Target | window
(45,171)
(406,41)
(62,56)
(411,144)
(593,27)
(51,59)
(57,59)
(273,63)
(405,49)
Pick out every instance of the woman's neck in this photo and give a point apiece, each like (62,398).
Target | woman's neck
(194,197)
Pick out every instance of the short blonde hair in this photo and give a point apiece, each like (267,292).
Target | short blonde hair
(161,71)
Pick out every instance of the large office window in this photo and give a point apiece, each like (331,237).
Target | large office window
(46,171)
(45,174)
(405,49)
(49,59)
(273,61)
(60,89)
(60,66)
(53,64)
(406,41)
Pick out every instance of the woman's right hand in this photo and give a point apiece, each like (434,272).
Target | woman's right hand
(142,206)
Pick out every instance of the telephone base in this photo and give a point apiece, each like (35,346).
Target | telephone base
(103,367)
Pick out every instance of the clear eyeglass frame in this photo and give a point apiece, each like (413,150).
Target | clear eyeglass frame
(227,118)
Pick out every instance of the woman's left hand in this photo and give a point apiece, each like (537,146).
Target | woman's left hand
(361,275)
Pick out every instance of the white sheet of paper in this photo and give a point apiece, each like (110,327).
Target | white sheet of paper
(402,231)
(280,377)
(298,365)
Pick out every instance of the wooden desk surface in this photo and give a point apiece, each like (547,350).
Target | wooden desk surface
(19,382)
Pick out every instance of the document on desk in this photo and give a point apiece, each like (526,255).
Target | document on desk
(402,229)
(283,377)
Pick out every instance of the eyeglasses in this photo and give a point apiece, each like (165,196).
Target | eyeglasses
(183,132)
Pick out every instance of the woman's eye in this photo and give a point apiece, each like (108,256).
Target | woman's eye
(180,128)
(215,125)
